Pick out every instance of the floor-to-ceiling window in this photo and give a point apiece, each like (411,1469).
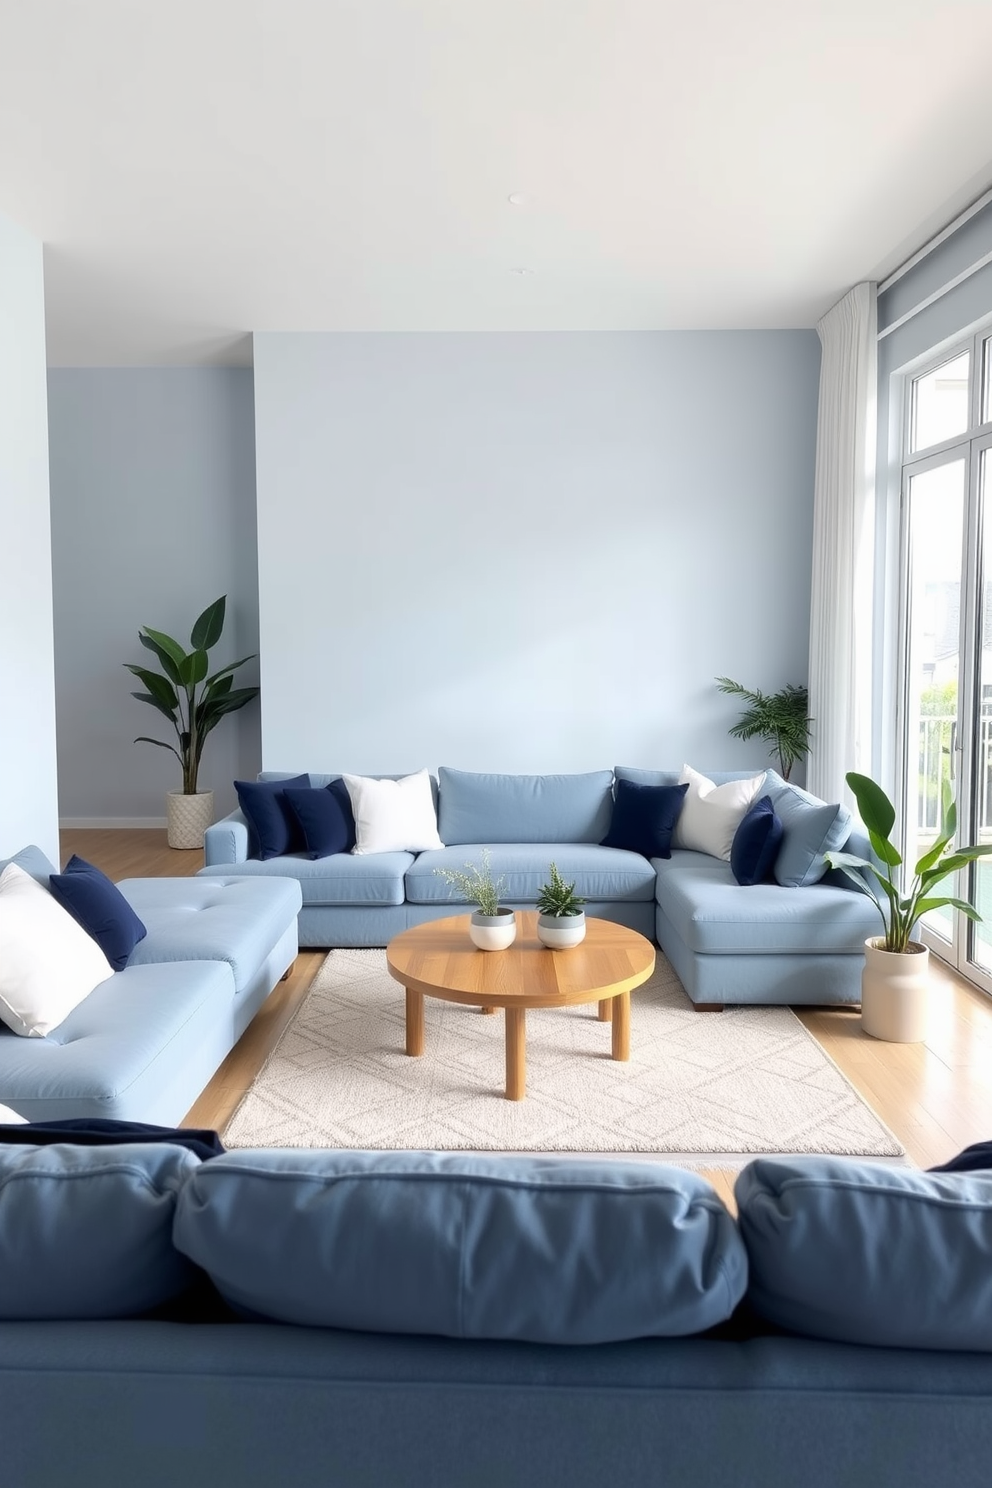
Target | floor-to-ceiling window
(945,702)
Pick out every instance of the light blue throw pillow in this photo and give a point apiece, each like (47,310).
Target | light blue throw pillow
(545,1250)
(866,1253)
(480,808)
(811,828)
(86,1232)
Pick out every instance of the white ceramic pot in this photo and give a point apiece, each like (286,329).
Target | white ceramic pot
(493,932)
(188,817)
(560,932)
(895,987)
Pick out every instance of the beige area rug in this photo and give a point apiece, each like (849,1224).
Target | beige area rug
(701,1088)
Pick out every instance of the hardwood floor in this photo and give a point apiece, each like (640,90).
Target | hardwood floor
(935,1096)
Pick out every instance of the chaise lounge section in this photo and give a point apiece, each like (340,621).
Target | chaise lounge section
(145,1042)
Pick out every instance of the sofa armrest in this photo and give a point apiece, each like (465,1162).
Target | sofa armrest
(226,841)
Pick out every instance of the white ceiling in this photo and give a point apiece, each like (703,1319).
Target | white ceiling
(199,169)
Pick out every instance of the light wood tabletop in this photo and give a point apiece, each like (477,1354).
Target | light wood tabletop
(438,959)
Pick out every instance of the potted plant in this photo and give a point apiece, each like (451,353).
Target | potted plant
(780,718)
(194,703)
(561,920)
(491,927)
(894,981)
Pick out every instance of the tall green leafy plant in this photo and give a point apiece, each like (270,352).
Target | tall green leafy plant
(193,702)
(780,718)
(901,905)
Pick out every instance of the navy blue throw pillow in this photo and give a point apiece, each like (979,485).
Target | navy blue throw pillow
(272,827)
(756,843)
(98,905)
(325,817)
(974,1159)
(644,818)
(98,1131)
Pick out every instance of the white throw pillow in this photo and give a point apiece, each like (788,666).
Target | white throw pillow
(393,815)
(11,1118)
(48,963)
(712,813)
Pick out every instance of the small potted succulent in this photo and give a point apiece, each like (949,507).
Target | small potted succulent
(491,927)
(561,920)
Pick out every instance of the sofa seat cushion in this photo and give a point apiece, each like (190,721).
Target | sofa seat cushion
(131,1034)
(342,879)
(237,920)
(902,1259)
(476,807)
(522,1248)
(599,873)
(715,915)
(59,1256)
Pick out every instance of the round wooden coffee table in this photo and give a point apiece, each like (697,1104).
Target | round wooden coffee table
(438,960)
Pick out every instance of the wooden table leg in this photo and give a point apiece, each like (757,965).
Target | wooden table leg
(414,1021)
(487,1010)
(621,1026)
(606,1010)
(516,1053)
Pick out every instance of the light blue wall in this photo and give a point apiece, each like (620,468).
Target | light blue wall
(153,517)
(29,800)
(529,552)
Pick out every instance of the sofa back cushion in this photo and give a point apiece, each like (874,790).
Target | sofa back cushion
(33,861)
(86,1232)
(481,808)
(548,1250)
(865,1253)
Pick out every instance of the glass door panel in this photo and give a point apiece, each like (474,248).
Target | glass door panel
(935,506)
(980,936)
(940,403)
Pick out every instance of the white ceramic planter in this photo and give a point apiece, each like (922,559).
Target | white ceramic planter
(493,932)
(188,817)
(895,988)
(560,932)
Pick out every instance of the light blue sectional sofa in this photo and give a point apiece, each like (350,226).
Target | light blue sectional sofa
(145,1042)
(728,944)
(412,1320)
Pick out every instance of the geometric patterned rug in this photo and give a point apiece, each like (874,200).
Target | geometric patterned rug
(700,1088)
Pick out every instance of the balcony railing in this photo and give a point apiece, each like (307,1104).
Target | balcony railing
(937,762)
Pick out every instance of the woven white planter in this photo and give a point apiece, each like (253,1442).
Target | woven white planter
(189,817)
(895,993)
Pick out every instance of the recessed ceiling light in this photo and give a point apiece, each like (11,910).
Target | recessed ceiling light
(522,270)
(517,199)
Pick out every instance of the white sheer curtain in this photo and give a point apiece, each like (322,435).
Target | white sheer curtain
(840,633)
